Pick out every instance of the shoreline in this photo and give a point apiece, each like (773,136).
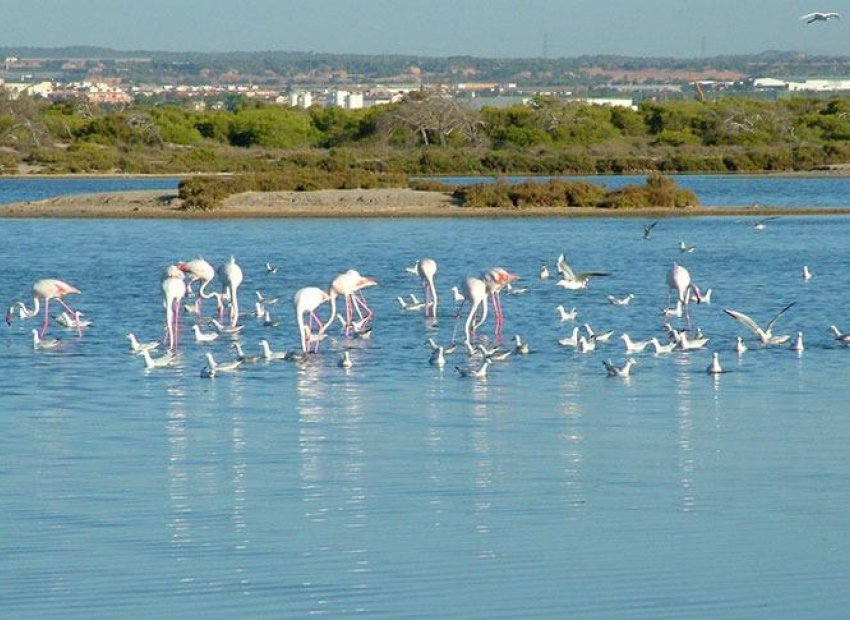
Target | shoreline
(356,203)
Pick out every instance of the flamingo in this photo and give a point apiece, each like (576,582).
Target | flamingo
(198,269)
(231,278)
(426,268)
(173,291)
(496,279)
(679,279)
(474,290)
(349,285)
(306,300)
(44,291)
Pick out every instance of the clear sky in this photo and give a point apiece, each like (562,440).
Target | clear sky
(495,28)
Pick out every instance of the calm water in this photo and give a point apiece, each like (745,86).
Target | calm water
(397,490)
(16,189)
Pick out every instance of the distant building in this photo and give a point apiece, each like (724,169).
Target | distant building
(301,99)
(347,99)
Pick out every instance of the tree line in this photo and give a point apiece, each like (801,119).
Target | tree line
(427,133)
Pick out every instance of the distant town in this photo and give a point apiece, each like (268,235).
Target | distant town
(211,81)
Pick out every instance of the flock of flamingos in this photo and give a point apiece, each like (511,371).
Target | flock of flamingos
(354,315)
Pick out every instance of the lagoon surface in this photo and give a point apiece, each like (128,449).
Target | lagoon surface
(395,489)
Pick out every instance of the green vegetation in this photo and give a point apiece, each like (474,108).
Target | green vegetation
(428,134)
(206,193)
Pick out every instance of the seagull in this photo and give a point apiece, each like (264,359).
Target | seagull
(544,273)
(573,281)
(798,343)
(158,362)
(740,347)
(811,18)
(77,321)
(586,345)
(137,347)
(270,355)
(843,337)
(203,337)
(226,329)
(458,296)
(245,359)
(494,355)
(686,343)
(760,225)
(521,347)
(268,322)
(564,315)
(473,373)
(623,371)
(266,301)
(673,312)
(43,343)
(438,358)
(224,366)
(765,335)
(622,301)
(570,341)
(345,360)
(714,367)
(434,346)
(662,349)
(632,346)
(598,336)
(686,249)
(271,269)
(807,275)
(515,290)
(647,230)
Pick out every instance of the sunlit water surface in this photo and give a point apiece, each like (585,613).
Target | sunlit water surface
(396,489)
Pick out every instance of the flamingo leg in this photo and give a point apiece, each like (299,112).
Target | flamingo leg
(44,322)
(72,313)
(457,320)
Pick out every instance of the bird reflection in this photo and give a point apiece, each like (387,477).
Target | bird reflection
(684,411)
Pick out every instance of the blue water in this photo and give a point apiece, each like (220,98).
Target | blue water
(19,189)
(395,489)
(725,190)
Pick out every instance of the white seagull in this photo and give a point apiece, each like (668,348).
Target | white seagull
(811,18)
(203,337)
(686,249)
(137,347)
(475,373)
(662,349)
(765,335)
(43,343)
(740,347)
(570,341)
(270,355)
(620,301)
(843,337)
(798,343)
(598,336)
(575,281)
(714,367)
(565,315)
(158,362)
(623,371)
(521,346)
(345,360)
(224,366)
(437,358)
(807,275)
(632,346)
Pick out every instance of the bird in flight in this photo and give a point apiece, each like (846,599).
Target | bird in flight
(647,230)
(811,18)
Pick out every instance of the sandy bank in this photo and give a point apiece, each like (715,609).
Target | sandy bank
(386,203)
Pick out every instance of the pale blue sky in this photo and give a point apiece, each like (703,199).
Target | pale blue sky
(496,28)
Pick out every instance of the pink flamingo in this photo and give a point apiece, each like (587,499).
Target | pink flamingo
(173,291)
(679,279)
(307,300)
(496,279)
(349,285)
(231,277)
(426,268)
(198,269)
(475,292)
(44,291)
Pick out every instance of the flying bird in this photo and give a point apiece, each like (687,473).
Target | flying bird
(765,335)
(647,230)
(811,18)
